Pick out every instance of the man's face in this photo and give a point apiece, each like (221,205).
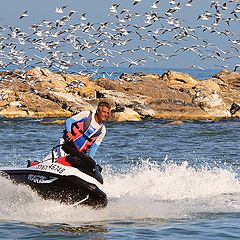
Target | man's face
(103,113)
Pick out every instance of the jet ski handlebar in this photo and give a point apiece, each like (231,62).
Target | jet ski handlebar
(60,145)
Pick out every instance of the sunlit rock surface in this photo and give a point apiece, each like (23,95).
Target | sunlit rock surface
(173,95)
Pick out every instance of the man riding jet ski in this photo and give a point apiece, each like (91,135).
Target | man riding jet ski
(71,175)
(86,130)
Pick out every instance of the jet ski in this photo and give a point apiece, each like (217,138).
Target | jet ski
(65,179)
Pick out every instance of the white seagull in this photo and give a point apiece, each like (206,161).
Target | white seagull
(136,2)
(60,9)
(24,14)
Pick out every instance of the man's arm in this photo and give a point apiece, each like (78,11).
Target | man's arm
(68,123)
(93,149)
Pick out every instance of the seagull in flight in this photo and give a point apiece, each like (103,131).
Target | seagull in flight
(136,2)
(189,3)
(195,66)
(83,17)
(24,14)
(136,62)
(155,4)
(113,8)
(236,67)
(60,9)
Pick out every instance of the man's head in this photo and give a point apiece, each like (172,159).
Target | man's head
(103,111)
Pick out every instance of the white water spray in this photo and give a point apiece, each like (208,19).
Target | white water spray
(167,191)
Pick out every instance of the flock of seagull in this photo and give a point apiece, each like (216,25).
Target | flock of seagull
(138,35)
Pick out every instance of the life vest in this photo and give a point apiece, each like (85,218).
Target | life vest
(83,134)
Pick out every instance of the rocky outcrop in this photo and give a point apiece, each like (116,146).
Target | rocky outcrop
(41,93)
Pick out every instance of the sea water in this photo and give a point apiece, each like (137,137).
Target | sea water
(163,181)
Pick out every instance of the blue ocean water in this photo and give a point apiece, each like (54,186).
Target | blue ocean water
(114,72)
(163,181)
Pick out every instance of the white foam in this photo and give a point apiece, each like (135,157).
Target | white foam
(146,191)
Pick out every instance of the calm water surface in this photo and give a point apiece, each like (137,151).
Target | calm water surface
(163,181)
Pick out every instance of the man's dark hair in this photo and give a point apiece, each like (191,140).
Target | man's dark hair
(104,104)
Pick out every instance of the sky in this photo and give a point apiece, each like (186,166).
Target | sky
(178,36)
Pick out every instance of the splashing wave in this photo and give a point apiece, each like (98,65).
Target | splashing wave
(146,191)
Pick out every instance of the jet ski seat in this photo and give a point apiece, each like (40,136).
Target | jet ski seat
(62,160)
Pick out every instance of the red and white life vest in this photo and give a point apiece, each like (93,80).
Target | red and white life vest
(83,135)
